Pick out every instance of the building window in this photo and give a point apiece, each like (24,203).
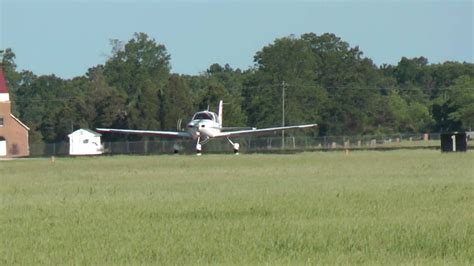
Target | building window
(15,149)
(1,121)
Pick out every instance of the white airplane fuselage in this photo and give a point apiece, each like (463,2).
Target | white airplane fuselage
(204,125)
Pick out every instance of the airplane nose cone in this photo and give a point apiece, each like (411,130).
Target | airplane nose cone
(200,127)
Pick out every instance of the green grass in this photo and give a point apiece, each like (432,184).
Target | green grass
(367,207)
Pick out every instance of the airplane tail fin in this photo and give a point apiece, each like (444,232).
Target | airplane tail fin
(219,112)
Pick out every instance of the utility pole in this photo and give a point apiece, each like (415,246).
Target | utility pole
(283,114)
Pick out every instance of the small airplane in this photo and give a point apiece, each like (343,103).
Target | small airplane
(205,126)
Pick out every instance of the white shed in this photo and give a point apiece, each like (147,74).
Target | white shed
(85,142)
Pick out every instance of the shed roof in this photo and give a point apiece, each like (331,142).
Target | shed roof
(85,130)
(3,84)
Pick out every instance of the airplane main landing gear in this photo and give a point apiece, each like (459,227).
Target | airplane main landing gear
(199,144)
(176,148)
(236,146)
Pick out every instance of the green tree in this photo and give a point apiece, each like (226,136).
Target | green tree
(176,102)
(403,116)
(454,109)
(351,81)
(8,65)
(108,101)
(326,81)
(287,64)
(39,105)
(410,71)
(140,68)
(231,79)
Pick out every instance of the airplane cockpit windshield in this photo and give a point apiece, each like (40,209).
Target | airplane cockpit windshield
(204,116)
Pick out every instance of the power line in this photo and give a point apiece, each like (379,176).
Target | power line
(355,87)
(425,92)
(43,100)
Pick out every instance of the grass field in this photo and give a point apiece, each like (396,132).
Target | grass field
(366,207)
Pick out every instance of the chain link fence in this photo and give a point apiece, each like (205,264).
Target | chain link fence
(255,144)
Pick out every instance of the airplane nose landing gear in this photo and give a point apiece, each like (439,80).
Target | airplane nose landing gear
(198,149)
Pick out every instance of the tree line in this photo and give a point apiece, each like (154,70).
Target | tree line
(326,81)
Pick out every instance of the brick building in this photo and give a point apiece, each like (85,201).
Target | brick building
(13,133)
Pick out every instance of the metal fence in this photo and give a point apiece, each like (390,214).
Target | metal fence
(254,144)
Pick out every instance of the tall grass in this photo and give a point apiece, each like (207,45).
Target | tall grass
(365,207)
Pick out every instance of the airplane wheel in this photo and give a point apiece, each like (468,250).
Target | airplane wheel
(198,149)
(176,148)
(236,148)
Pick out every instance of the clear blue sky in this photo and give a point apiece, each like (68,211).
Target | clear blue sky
(67,37)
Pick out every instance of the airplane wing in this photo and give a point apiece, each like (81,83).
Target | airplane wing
(227,129)
(168,134)
(263,131)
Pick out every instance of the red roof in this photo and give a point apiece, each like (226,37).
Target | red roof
(3,84)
